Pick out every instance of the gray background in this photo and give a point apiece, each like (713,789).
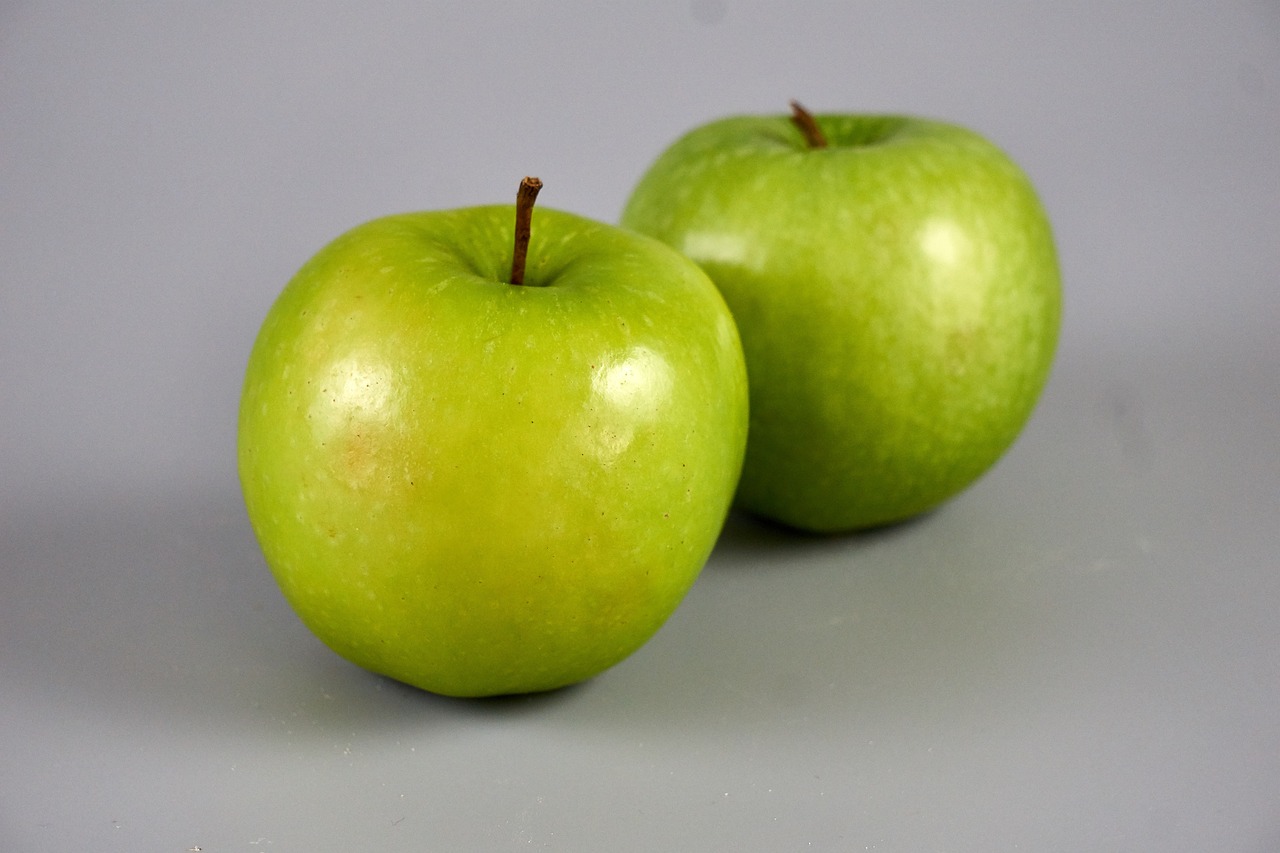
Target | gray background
(1082,652)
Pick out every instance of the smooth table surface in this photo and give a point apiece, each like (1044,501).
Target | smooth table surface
(1081,652)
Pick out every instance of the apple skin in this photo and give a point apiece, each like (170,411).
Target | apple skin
(479,488)
(897,294)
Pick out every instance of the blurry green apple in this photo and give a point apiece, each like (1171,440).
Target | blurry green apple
(897,291)
(482,488)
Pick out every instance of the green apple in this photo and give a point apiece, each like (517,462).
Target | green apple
(481,488)
(896,287)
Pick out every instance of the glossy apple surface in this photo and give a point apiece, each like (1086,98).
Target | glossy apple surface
(898,297)
(479,488)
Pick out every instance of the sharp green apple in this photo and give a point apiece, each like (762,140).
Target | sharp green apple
(896,286)
(485,466)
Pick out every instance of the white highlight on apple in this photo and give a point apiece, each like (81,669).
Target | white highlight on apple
(637,384)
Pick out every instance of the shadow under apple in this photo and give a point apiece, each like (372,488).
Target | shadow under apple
(160,614)
(789,629)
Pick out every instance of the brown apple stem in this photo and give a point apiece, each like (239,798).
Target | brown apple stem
(525,197)
(804,120)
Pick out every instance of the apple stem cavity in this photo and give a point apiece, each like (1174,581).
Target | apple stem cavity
(808,125)
(525,196)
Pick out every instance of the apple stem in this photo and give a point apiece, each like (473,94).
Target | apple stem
(808,125)
(525,197)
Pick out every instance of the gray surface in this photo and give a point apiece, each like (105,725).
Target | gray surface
(1080,653)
